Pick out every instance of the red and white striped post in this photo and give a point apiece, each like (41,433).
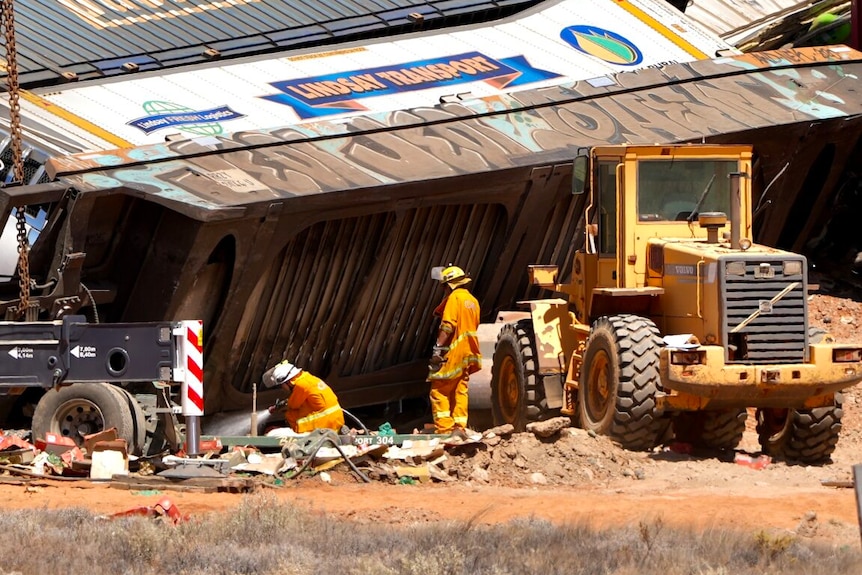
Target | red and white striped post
(190,371)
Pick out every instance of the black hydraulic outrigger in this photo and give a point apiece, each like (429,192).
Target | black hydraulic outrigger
(71,350)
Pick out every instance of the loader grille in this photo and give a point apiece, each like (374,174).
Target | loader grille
(764,310)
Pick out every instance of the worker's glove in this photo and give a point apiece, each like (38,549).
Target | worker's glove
(438,358)
(278,406)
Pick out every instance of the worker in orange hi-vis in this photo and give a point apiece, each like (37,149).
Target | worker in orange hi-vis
(311,405)
(456,353)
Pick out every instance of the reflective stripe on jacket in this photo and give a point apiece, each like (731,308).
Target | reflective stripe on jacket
(461,313)
(312,405)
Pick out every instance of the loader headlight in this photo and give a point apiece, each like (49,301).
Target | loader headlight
(688,357)
(793,268)
(846,355)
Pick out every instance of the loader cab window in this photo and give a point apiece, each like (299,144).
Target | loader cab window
(607,207)
(671,190)
(580,171)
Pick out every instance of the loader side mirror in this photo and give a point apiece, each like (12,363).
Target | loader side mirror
(579,175)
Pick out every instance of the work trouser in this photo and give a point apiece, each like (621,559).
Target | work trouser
(330,418)
(449,403)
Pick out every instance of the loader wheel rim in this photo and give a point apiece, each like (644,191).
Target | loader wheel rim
(598,394)
(775,423)
(77,418)
(510,390)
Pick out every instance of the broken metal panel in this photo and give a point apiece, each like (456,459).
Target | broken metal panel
(786,169)
(725,17)
(811,23)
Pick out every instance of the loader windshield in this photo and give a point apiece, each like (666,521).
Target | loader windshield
(672,190)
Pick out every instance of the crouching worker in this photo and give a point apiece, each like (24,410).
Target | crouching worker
(311,405)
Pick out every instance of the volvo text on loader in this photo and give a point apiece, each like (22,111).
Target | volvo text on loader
(671,323)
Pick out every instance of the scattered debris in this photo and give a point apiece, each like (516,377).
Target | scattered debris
(549,427)
(759,462)
(550,453)
(164,509)
(109,458)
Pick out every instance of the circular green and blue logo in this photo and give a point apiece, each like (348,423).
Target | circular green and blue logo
(603,44)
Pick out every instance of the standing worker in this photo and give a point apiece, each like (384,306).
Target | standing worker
(311,405)
(456,353)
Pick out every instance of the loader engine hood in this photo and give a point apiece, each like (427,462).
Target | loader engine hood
(751,302)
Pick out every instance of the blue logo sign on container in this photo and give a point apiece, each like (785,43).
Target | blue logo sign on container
(163,115)
(342,91)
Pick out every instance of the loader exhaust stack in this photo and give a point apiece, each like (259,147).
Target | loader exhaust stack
(735,207)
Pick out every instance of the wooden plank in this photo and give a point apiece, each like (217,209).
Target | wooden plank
(196,484)
(835,483)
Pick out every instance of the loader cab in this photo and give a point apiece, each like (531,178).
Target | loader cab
(636,193)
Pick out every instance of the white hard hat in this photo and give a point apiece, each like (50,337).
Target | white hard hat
(280,374)
(285,371)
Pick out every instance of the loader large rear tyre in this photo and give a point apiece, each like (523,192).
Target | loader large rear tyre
(806,436)
(620,381)
(81,409)
(517,389)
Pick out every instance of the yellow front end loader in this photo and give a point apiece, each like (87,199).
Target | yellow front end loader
(674,323)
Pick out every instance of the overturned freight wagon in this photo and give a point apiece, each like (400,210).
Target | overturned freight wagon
(314,242)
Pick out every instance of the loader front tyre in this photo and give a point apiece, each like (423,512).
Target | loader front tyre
(620,381)
(81,409)
(711,429)
(806,436)
(517,389)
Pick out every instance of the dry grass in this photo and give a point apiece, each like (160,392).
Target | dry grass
(265,536)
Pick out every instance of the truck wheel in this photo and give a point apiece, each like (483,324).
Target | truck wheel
(711,429)
(620,380)
(84,408)
(139,421)
(805,435)
(517,391)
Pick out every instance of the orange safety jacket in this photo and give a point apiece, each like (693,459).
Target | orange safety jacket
(312,405)
(460,310)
